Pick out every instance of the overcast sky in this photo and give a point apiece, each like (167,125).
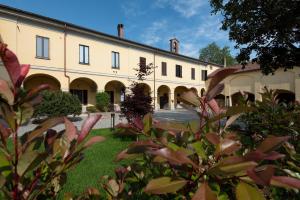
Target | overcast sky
(151,22)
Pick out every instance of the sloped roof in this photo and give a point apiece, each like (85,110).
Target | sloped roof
(248,68)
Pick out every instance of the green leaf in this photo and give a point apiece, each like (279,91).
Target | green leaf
(28,161)
(5,167)
(147,121)
(25,113)
(226,170)
(204,193)
(199,149)
(245,191)
(164,185)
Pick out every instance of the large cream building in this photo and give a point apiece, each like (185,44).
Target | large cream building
(85,61)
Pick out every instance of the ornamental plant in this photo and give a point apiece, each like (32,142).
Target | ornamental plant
(32,164)
(136,104)
(203,160)
(57,104)
(102,101)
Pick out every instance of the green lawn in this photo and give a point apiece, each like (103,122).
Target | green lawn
(98,161)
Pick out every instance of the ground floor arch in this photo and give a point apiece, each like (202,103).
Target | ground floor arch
(147,88)
(164,97)
(194,90)
(85,89)
(35,80)
(220,98)
(177,93)
(285,96)
(116,91)
(237,97)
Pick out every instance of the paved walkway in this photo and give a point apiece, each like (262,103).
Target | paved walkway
(180,115)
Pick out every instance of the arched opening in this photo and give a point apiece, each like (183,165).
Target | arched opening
(163,97)
(85,89)
(237,97)
(202,92)
(35,80)
(147,88)
(116,91)
(285,96)
(177,93)
(220,98)
(194,90)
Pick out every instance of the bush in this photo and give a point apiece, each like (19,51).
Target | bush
(58,103)
(35,165)
(204,159)
(92,109)
(102,101)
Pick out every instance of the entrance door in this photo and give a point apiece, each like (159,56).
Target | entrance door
(81,94)
(163,100)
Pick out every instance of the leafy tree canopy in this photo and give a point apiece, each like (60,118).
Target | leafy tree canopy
(213,53)
(269,30)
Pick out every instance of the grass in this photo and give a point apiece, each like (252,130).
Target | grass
(98,161)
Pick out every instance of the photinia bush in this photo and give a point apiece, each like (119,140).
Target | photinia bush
(203,160)
(37,161)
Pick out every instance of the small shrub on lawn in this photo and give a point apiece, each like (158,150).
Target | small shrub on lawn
(58,103)
(92,109)
(34,165)
(102,101)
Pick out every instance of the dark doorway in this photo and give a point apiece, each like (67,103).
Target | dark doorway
(163,100)
(111,96)
(81,94)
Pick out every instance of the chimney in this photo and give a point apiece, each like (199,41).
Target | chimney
(120,30)
(174,45)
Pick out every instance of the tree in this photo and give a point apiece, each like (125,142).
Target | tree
(269,30)
(213,53)
(138,103)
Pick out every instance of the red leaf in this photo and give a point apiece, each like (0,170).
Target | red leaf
(138,123)
(214,92)
(259,156)
(35,91)
(213,105)
(71,130)
(93,140)
(271,143)
(219,76)
(87,126)
(10,62)
(204,193)
(176,157)
(190,98)
(261,176)
(227,147)
(24,72)
(285,181)
(213,138)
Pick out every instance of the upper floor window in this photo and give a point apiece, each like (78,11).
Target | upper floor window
(178,71)
(83,54)
(204,75)
(193,73)
(164,69)
(143,64)
(42,47)
(115,60)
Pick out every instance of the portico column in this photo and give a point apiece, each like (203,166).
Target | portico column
(172,101)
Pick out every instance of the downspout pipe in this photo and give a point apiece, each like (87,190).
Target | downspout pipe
(65,55)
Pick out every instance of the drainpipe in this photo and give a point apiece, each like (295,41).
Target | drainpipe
(154,81)
(65,55)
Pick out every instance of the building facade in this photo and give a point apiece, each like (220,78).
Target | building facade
(84,61)
(252,82)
